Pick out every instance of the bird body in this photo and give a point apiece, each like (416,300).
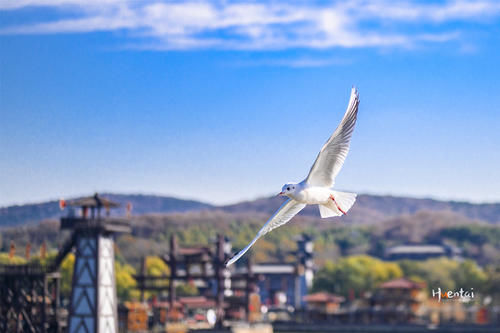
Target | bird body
(317,188)
(322,196)
(311,195)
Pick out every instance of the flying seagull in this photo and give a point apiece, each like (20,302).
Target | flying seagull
(316,189)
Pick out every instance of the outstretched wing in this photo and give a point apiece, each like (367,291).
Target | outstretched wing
(332,156)
(288,209)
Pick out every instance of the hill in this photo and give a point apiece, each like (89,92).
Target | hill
(368,208)
(142,204)
(375,208)
(333,237)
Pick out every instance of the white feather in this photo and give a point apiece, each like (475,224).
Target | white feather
(332,156)
(288,209)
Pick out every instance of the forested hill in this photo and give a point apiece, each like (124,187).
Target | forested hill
(368,208)
(374,208)
(142,204)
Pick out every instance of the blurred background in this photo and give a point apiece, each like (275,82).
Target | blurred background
(192,114)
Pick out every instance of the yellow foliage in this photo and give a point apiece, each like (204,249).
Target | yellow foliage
(359,273)
(67,274)
(15,260)
(125,282)
(155,266)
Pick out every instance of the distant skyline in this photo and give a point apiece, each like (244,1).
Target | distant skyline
(224,101)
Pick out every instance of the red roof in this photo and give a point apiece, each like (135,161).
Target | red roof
(197,302)
(401,283)
(166,304)
(323,297)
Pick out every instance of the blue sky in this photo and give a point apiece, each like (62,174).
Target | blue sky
(227,100)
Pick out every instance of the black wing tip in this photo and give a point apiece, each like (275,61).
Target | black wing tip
(234,254)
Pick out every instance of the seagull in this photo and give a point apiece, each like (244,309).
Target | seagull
(317,188)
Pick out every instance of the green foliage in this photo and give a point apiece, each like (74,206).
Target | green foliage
(196,235)
(358,273)
(49,258)
(186,289)
(476,234)
(470,275)
(492,284)
(446,273)
(478,241)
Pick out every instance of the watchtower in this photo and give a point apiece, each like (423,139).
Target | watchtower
(93,306)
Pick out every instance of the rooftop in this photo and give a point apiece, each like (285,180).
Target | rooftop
(323,297)
(401,283)
(93,201)
(274,269)
(435,249)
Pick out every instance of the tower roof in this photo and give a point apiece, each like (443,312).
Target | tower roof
(94,201)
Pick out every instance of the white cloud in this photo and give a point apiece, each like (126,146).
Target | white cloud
(259,25)
(299,62)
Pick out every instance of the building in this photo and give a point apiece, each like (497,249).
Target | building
(286,283)
(398,301)
(321,305)
(422,252)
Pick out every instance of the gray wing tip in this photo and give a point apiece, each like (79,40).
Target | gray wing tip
(355,92)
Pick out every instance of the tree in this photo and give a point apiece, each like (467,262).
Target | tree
(437,273)
(187,289)
(16,260)
(66,270)
(469,275)
(446,274)
(359,273)
(125,282)
(155,266)
(492,284)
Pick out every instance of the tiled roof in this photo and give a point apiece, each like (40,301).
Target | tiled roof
(93,201)
(323,297)
(401,283)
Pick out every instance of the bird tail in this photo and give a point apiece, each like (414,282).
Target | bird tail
(341,203)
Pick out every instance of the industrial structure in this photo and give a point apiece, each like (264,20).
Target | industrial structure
(29,299)
(29,293)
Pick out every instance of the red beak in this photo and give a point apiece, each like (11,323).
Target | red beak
(279,194)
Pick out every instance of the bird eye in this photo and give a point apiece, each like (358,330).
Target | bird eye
(288,189)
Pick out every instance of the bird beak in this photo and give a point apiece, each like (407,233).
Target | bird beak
(280,194)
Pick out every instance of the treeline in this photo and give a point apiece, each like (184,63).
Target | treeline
(351,276)
(361,274)
(333,238)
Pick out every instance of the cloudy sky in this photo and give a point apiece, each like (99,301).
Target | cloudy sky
(226,100)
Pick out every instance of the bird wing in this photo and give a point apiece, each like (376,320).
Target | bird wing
(332,156)
(288,209)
